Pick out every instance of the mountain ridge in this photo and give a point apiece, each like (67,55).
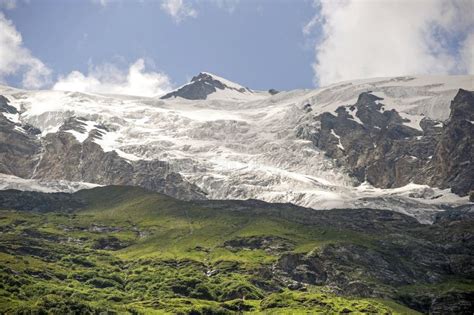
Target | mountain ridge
(206,84)
(262,148)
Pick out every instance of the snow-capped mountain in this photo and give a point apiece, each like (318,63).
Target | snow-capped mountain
(207,86)
(216,139)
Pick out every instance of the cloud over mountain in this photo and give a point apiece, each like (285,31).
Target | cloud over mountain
(15,59)
(362,39)
(108,78)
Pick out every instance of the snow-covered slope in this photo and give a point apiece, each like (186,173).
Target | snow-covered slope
(246,147)
(208,86)
(47,186)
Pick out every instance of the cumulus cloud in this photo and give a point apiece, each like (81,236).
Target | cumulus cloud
(178,9)
(362,39)
(18,60)
(109,79)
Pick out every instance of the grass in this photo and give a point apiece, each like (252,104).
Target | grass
(170,258)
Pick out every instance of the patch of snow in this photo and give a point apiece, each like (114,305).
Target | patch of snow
(82,136)
(18,128)
(15,118)
(48,186)
(413,121)
(355,118)
(108,140)
(230,84)
(53,129)
(338,138)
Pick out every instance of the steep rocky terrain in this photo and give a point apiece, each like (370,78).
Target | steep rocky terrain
(205,84)
(129,250)
(18,144)
(387,143)
(377,146)
(61,156)
(64,157)
(453,161)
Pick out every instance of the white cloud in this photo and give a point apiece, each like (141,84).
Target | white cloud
(178,9)
(18,60)
(364,39)
(7,4)
(109,79)
(467,53)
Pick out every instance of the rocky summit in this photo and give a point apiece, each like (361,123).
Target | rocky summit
(205,84)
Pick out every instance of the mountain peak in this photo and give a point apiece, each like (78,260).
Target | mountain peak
(204,84)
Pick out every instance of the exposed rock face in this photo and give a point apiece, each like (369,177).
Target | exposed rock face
(200,87)
(272,244)
(5,107)
(18,148)
(378,146)
(408,256)
(453,303)
(61,156)
(453,161)
(109,243)
(337,265)
(66,158)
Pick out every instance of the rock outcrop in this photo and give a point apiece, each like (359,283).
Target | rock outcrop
(419,256)
(201,86)
(64,157)
(363,253)
(61,156)
(380,146)
(19,145)
(453,160)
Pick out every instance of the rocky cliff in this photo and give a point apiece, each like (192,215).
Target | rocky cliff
(383,148)
(204,84)
(62,156)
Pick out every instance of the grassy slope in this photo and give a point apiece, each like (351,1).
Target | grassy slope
(171,251)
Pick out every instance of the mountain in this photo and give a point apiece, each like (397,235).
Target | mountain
(400,143)
(132,251)
(210,86)
(377,145)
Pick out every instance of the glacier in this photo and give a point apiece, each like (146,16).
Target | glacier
(243,145)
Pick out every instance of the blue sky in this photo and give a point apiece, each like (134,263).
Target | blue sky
(259,46)
(147,47)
